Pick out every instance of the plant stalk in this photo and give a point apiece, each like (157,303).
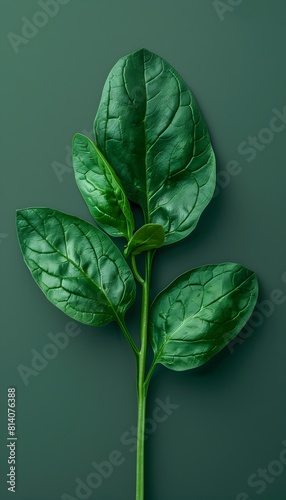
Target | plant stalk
(141,388)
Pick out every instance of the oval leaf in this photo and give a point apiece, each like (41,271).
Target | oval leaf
(101,188)
(148,237)
(150,129)
(76,265)
(200,313)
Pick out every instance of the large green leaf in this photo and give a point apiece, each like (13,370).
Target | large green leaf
(148,237)
(151,131)
(200,312)
(101,188)
(76,265)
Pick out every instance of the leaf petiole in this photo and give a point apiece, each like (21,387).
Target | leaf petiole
(128,337)
(135,270)
(150,373)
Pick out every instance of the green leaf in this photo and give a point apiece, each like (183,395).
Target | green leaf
(101,189)
(200,313)
(76,265)
(150,129)
(148,237)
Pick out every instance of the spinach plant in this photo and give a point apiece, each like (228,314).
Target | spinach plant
(151,147)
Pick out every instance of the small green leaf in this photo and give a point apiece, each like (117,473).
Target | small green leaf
(101,188)
(200,313)
(151,130)
(148,237)
(76,265)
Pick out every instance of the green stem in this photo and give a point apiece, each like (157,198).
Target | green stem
(141,388)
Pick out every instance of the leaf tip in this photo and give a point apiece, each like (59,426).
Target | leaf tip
(77,138)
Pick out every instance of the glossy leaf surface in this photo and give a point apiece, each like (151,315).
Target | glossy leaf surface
(150,129)
(200,313)
(148,237)
(101,188)
(76,265)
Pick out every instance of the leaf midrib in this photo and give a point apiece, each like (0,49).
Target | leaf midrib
(147,215)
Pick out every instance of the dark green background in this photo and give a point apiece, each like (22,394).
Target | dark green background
(231,415)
